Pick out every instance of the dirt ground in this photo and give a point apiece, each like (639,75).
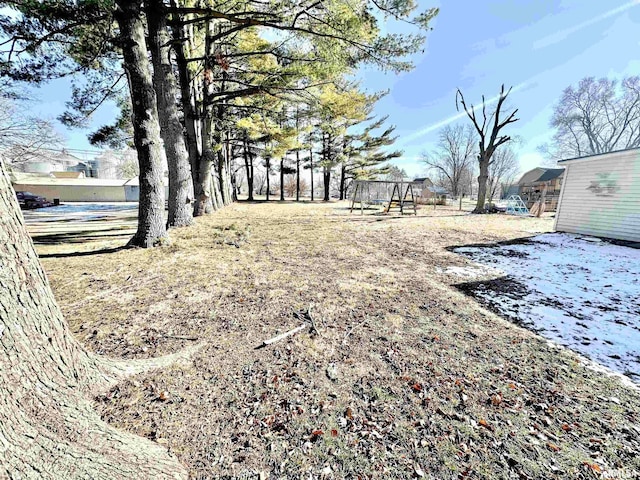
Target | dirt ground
(403,376)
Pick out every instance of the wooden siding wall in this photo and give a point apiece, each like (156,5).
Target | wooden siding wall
(75,193)
(601,197)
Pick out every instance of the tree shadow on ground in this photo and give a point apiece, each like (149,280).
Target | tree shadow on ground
(87,253)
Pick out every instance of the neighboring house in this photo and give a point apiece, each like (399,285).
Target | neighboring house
(79,189)
(423,187)
(601,196)
(424,181)
(533,184)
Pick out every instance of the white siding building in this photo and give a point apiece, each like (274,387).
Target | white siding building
(601,196)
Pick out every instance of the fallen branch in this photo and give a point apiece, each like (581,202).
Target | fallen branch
(283,336)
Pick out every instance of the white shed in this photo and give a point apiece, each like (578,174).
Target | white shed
(601,196)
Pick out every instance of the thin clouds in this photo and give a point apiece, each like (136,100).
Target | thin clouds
(544,42)
(436,126)
(561,35)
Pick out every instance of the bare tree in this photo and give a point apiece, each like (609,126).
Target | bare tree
(490,138)
(503,170)
(22,135)
(291,186)
(454,154)
(127,165)
(394,173)
(259,182)
(597,116)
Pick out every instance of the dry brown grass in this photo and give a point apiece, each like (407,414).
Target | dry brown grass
(424,381)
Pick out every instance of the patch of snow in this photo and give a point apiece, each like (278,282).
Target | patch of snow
(581,293)
(469,272)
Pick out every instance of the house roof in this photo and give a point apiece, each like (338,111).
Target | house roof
(438,190)
(589,157)
(531,175)
(551,174)
(540,174)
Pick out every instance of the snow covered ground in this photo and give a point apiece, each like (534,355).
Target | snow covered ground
(580,292)
(81,212)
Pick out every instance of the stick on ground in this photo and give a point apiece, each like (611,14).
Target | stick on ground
(283,336)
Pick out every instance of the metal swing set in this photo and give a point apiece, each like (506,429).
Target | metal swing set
(389,194)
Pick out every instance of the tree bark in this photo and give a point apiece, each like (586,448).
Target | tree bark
(188,97)
(343,174)
(482,185)
(248,164)
(146,130)
(180,181)
(48,429)
(298,175)
(268,164)
(207,193)
(282,179)
(311,169)
(326,173)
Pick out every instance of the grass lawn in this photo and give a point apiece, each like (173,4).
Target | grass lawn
(404,377)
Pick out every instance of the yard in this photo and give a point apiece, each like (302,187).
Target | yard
(404,375)
(581,292)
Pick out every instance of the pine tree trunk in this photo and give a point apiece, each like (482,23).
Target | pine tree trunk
(297,175)
(482,185)
(343,173)
(327,183)
(181,37)
(48,429)
(282,179)
(146,130)
(268,163)
(248,164)
(180,181)
(311,169)
(207,190)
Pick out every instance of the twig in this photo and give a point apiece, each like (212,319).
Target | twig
(307,317)
(181,337)
(283,335)
(353,327)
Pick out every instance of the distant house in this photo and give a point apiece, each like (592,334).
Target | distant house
(427,191)
(534,183)
(79,189)
(601,196)
(424,181)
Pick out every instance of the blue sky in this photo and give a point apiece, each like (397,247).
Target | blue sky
(537,46)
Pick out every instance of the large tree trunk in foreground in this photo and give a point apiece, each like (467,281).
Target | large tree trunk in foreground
(180,181)
(146,130)
(48,429)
